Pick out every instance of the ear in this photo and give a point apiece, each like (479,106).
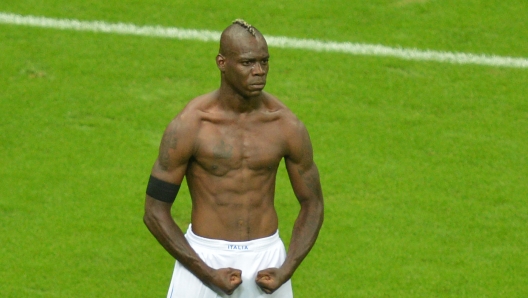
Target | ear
(220,62)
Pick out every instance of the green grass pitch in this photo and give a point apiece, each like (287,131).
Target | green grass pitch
(423,164)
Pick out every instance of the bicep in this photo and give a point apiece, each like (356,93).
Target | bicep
(175,150)
(305,180)
(302,171)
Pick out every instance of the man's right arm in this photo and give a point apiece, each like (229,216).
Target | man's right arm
(175,151)
(161,224)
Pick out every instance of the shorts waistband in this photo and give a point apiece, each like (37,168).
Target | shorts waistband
(242,246)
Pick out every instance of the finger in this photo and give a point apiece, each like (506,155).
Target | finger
(235,280)
(263,272)
(233,287)
(263,278)
(236,274)
(264,285)
(267,291)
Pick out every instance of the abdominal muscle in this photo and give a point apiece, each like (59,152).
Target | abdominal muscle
(236,207)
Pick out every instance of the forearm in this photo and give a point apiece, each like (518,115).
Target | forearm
(170,236)
(305,232)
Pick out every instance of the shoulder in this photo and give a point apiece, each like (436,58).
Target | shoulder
(196,108)
(273,105)
(289,122)
(189,118)
(292,129)
(183,128)
(180,134)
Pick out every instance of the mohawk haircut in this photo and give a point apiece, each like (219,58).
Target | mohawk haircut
(246,26)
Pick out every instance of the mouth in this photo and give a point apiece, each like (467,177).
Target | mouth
(258,85)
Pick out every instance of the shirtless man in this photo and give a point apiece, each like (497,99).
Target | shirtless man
(228,144)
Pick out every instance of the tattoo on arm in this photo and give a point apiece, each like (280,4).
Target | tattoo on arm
(311,180)
(168,142)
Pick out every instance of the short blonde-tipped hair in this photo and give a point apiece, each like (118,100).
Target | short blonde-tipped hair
(246,25)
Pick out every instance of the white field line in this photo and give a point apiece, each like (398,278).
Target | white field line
(273,41)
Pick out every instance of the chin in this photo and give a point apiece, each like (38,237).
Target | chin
(254,93)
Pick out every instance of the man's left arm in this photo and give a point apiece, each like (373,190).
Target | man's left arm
(305,181)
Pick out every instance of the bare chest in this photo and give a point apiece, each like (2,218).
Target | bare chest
(226,147)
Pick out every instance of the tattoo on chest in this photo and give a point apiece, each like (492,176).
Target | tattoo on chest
(222,151)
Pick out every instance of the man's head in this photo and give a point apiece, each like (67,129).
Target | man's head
(243,59)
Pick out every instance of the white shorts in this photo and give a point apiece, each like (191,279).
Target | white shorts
(248,256)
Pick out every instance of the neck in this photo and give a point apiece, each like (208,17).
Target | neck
(231,100)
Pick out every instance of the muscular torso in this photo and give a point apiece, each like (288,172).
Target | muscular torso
(231,174)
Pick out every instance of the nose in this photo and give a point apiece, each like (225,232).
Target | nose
(258,69)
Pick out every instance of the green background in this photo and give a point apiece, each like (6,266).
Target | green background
(423,164)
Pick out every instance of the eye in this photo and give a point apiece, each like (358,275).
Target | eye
(246,63)
(265,62)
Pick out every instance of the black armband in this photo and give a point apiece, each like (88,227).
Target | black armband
(161,190)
